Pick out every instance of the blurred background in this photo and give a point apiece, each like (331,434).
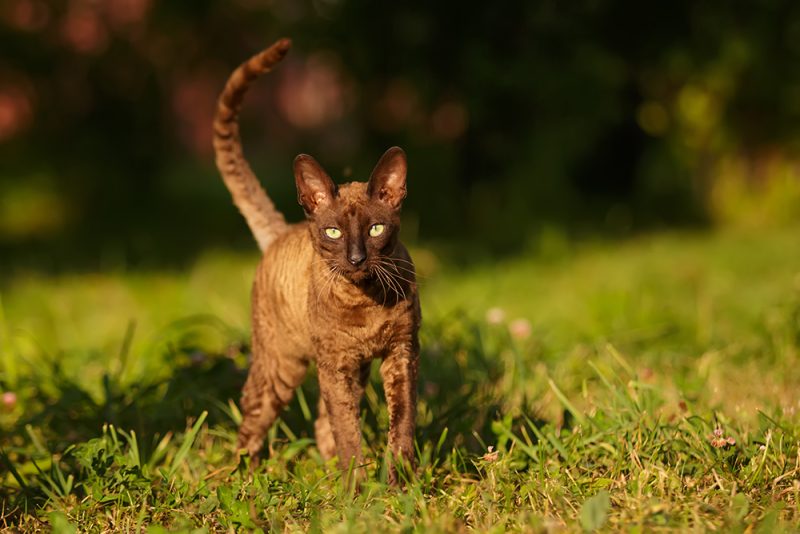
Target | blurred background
(526,123)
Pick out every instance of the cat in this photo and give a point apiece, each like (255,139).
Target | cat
(338,289)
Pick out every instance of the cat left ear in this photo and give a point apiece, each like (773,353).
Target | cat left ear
(315,188)
(388,180)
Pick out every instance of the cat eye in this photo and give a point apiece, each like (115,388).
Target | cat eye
(375,230)
(333,233)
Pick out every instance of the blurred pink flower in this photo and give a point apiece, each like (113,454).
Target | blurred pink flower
(16,110)
(27,15)
(314,93)
(520,328)
(9,400)
(495,315)
(83,29)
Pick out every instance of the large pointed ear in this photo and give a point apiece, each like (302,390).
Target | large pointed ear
(388,181)
(315,188)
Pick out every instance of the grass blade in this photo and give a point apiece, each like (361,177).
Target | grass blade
(579,417)
(186,446)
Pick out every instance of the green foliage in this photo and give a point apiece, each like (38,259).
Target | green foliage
(592,116)
(650,386)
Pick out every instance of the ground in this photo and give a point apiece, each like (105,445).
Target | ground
(641,385)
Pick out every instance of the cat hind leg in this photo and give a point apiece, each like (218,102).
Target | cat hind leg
(266,392)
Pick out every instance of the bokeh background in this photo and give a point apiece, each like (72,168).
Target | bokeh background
(525,122)
(604,210)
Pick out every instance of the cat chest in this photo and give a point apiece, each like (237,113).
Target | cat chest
(365,331)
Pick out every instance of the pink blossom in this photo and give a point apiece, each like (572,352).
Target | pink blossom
(9,400)
(495,315)
(718,439)
(520,328)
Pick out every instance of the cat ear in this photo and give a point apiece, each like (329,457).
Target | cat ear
(315,188)
(388,181)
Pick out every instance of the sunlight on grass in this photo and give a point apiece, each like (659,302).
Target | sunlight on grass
(649,384)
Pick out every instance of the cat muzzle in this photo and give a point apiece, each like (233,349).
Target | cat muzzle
(356,258)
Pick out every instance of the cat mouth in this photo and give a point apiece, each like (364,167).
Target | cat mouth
(358,275)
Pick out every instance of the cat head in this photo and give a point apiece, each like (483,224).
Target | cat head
(354,226)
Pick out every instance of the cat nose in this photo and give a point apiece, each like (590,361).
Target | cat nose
(356,258)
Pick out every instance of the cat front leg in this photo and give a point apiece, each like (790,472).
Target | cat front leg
(323,431)
(270,386)
(341,389)
(399,372)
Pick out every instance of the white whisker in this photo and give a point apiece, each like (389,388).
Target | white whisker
(397,286)
(327,283)
(383,286)
(396,274)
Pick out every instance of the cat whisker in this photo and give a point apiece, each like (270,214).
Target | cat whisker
(403,264)
(397,287)
(396,278)
(327,284)
(379,277)
(331,283)
(400,259)
(397,263)
(327,263)
(398,267)
(396,274)
(385,283)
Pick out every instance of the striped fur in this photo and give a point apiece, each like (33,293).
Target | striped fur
(264,220)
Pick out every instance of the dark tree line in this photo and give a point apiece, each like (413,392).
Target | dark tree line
(594,115)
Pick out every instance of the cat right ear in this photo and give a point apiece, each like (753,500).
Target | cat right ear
(388,181)
(315,189)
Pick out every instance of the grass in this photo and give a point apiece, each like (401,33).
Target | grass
(640,386)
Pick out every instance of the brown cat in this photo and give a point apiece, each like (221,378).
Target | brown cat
(338,289)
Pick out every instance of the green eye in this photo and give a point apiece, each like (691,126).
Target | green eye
(333,233)
(375,230)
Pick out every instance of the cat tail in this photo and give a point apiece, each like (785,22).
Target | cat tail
(264,220)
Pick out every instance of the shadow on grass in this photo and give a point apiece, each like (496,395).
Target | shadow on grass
(61,409)
(460,395)
(70,414)
(460,372)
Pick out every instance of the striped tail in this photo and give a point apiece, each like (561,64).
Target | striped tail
(264,220)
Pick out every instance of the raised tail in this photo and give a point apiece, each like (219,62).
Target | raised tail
(264,220)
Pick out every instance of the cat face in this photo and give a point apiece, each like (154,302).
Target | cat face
(354,226)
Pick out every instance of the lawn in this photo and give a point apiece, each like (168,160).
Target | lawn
(642,385)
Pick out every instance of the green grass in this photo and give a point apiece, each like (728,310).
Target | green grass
(599,394)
